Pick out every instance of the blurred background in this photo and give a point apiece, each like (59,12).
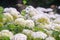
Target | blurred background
(35,3)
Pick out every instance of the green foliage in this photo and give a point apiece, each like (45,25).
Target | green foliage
(23,12)
(1,17)
(19,29)
(24,1)
(1,9)
(14,28)
(4,38)
(56,34)
(38,29)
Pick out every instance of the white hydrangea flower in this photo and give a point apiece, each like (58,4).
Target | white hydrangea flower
(6,10)
(46,14)
(43,19)
(8,16)
(37,16)
(59,35)
(27,31)
(20,21)
(9,9)
(57,20)
(29,8)
(57,15)
(49,32)
(29,23)
(49,10)
(15,14)
(57,27)
(58,7)
(6,33)
(20,16)
(19,37)
(41,9)
(31,11)
(50,38)
(39,35)
(12,11)
(52,15)
(49,26)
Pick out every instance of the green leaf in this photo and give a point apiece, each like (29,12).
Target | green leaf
(56,35)
(24,1)
(23,12)
(38,29)
(11,26)
(1,9)
(4,38)
(1,17)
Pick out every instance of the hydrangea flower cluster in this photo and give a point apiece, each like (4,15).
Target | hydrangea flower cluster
(31,24)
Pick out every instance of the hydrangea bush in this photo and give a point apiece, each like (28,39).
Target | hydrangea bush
(30,24)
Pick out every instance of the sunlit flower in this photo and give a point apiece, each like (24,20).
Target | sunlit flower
(6,10)
(19,16)
(57,27)
(39,35)
(50,38)
(6,33)
(31,11)
(30,23)
(49,32)
(19,37)
(9,9)
(57,20)
(43,19)
(27,31)
(41,9)
(8,17)
(49,26)
(49,10)
(20,21)
(58,7)
(14,14)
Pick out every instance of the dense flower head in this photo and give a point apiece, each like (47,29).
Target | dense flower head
(27,31)
(6,33)
(31,11)
(20,21)
(39,35)
(8,17)
(19,37)
(30,23)
(50,38)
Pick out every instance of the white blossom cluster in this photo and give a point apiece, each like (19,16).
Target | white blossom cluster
(36,24)
(6,33)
